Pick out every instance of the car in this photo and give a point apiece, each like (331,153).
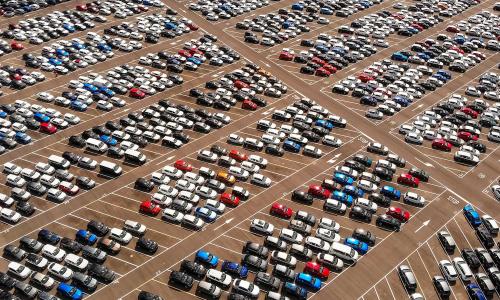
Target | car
(357,245)
(262,227)
(246,288)
(472,215)
(409,180)
(308,281)
(474,291)
(377,148)
(414,199)
(281,210)
(234,269)
(254,262)
(207,258)
(49,237)
(283,258)
(69,291)
(86,237)
(407,278)
(388,222)
(442,287)
(390,192)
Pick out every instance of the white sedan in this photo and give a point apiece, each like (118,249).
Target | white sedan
(262,227)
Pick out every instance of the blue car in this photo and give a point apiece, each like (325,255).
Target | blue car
(309,281)
(86,237)
(325,124)
(397,56)
(78,46)
(205,214)
(444,73)
(234,269)
(291,146)
(3,114)
(475,292)
(108,140)
(69,27)
(440,77)
(170,25)
(78,106)
(342,179)
(353,191)
(48,236)
(342,197)
(297,6)
(91,88)
(472,216)
(294,290)
(104,47)
(69,291)
(357,245)
(403,101)
(390,192)
(22,138)
(106,91)
(423,56)
(326,11)
(62,52)
(194,60)
(207,258)
(55,61)
(40,117)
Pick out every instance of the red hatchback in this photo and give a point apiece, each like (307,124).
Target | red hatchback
(183,166)
(148,207)
(16,46)
(286,56)
(137,93)
(317,270)
(48,128)
(470,112)
(441,144)
(248,104)
(240,84)
(238,155)
(398,213)
(322,72)
(318,191)
(365,77)
(280,210)
(467,136)
(408,180)
(229,199)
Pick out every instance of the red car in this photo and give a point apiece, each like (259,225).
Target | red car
(238,155)
(317,270)
(81,7)
(193,26)
(240,84)
(452,29)
(469,111)
(318,191)
(248,104)
(148,207)
(417,26)
(184,53)
(398,213)
(365,77)
(408,180)
(318,61)
(195,50)
(322,72)
(69,188)
(287,56)
(16,46)
(441,144)
(467,136)
(330,68)
(280,210)
(137,93)
(48,128)
(229,199)
(479,54)
(183,166)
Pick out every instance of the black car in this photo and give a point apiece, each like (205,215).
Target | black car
(360,213)
(218,150)
(442,287)
(143,185)
(383,173)
(302,196)
(254,262)
(419,173)
(485,237)
(447,241)
(47,236)
(70,245)
(71,157)
(181,136)
(14,252)
(181,279)
(353,164)
(36,188)
(144,295)
(364,236)
(256,249)
(193,268)
(146,245)
(84,282)
(101,273)
(115,152)
(388,222)
(274,150)
(31,123)
(267,281)
(30,245)
(363,159)
(25,208)
(471,258)
(97,228)
(77,141)
(380,199)
(6,282)
(85,182)
(477,145)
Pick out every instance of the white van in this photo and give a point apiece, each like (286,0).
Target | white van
(110,168)
(135,156)
(96,145)
(344,252)
(58,162)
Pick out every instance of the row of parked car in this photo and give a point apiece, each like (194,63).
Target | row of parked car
(120,9)
(458,122)
(17,7)
(18,78)
(482,25)
(466,266)
(51,260)
(215,10)
(301,125)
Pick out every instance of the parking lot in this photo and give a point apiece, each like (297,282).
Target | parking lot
(221,143)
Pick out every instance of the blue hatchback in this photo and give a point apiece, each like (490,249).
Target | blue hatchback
(205,214)
(472,216)
(397,56)
(62,52)
(353,191)
(40,117)
(342,197)
(69,291)
(79,106)
(86,237)
(91,88)
(108,140)
(291,146)
(342,179)
(297,6)
(235,269)
(325,124)
(390,192)
(55,61)
(475,292)
(309,281)
(295,291)
(3,114)
(357,245)
(22,138)
(207,258)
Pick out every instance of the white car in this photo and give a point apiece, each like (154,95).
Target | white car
(45,168)
(250,167)
(19,270)
(219,278)
(207,155)
(53,252)
(160,178)
(8,214)
(189,197)
(172,215)
(172,172)
(206,192)
(329,224)
(192,221)
(448,270)
(235,139)
(261,180)
(71,119)
(463,269)
(216,206)
(76,262)
(258,160)
(317,244)
(495,189)
(160,199)
(367,185)
(414,199)
(331,141)
(246,288)
(15,180)
(194,178)
(239,173)
(367,204)
(61,272)
(414,138)
(262,227)
(290,236)
(185,185)
(494,136)
(327,235)
(119,235)
(330,261)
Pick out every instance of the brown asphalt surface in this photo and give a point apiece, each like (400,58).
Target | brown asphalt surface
(352,283)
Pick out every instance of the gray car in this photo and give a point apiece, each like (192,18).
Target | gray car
(26,290)
(85,282)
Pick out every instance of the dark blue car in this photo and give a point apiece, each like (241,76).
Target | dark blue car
(353,191)
(295,291)
(69,291)
(48,236)
(291,146)
(22,138)
(390,192)
(86,237)
(235,269)
(79,106)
